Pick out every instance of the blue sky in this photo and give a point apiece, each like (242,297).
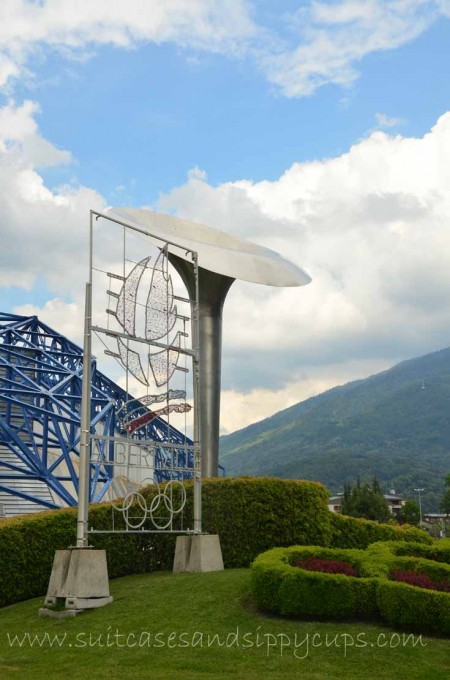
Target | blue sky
(315,128)
(142,118)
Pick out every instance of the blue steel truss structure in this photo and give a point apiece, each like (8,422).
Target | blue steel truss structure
(40,401)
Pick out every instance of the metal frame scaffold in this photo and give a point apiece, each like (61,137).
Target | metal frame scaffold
(41,374)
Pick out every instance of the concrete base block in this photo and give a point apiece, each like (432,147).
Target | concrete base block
(87,602)
(197,553)
(79,579)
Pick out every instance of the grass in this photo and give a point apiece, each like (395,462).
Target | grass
(186,608)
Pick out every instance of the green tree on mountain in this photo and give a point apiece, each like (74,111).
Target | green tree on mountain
(445,501)
(409,513)
(366,501)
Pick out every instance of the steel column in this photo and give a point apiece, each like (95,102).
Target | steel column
(213,289)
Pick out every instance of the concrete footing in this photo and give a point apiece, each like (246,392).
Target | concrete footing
(197,553)
(79,579)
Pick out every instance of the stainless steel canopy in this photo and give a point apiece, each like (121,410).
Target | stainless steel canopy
(222,258)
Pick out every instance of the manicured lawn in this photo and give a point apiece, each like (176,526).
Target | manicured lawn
(182,611)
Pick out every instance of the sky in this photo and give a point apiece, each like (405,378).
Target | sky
(318,129)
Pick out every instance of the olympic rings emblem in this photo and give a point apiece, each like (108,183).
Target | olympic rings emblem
(163,496)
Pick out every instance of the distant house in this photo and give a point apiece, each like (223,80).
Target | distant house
(431,517)
(394,501)
(436,523)
(335,502)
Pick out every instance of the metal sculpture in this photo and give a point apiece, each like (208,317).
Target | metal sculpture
(160,318)
(222,259)
(147,329)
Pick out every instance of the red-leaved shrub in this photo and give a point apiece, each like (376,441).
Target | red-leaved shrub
(326,566)
(420,580)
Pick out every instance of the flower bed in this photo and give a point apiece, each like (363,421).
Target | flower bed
(420,580)
(326,566)
(327,583)
(282,583)
(439,551)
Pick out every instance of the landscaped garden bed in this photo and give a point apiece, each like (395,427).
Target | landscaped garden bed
(420,580)
(326,566)
(438,551)
(266,513)
(325,583)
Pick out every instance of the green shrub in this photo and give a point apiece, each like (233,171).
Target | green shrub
(14,583)
(254,514)
(413,608)
(249,514)
(326,596)
(279,586)
(267,574)
(437,571)
(27,548)
(407,606)
(349,532)
(286,589)
(439,551)
(377,559)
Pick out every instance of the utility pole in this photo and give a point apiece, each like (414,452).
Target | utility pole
(420,504)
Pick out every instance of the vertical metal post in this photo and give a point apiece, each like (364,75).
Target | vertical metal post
(211,290)
(84,474)
(84,469)
(195,311)
(420,505)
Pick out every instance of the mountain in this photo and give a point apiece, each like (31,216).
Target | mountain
(395,425)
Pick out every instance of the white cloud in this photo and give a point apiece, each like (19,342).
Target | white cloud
(384,121)
(8,69)
(75,28)
(370,226)
(322,42)
(241,408)
(332,38)
(18,125)
(17,122)
(65,317)
(42,228)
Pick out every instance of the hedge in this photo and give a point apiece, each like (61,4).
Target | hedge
(281,587)
(250,515)
(315,594)
(414,608)
(438,551)
(27,548)
(437,571)
(350,532)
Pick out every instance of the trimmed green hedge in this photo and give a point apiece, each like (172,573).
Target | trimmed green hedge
(350,532)
(280,586)
(27,548)
(438,551)
(315,594)
(414,608)
(250,515)
(437,571)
